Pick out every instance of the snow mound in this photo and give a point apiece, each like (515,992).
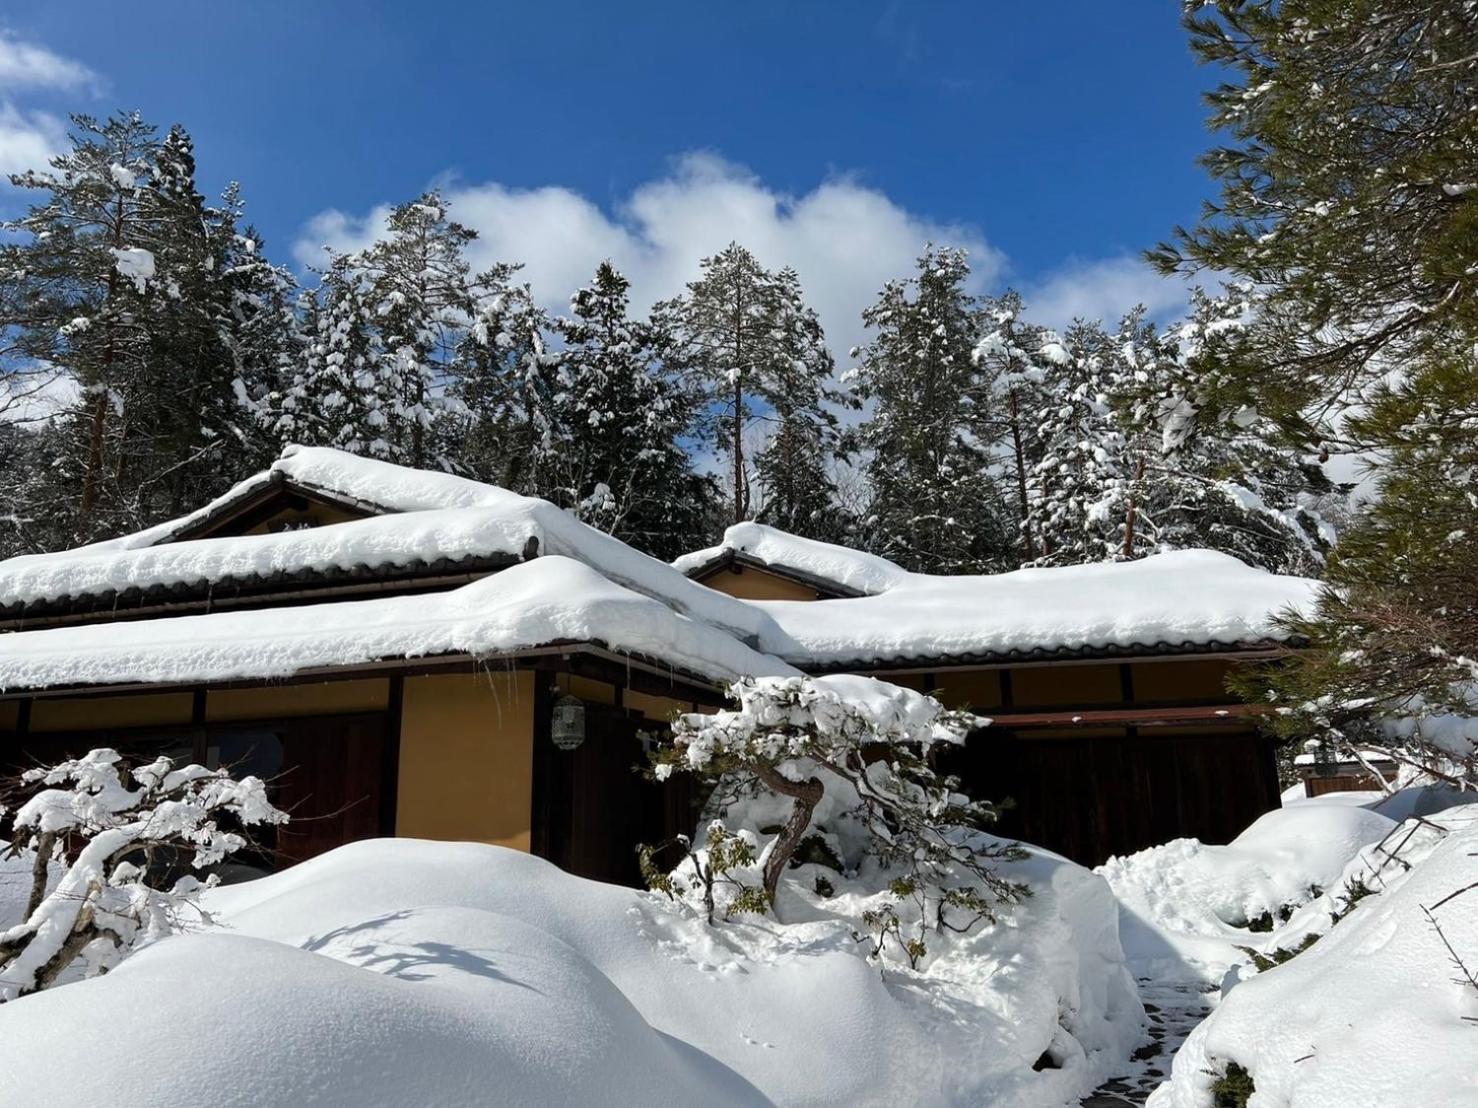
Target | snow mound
(405,972)
(542,602)
(1183,597)
(440,1006)
(1373,1013)
(1186,906)
(853,570)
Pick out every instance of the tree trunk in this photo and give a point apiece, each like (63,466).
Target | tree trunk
(1132,512)
(1026,521)
(739,497)
(806,794)
(39,871)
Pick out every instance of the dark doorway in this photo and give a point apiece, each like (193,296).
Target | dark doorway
(1091,797)
(594,806)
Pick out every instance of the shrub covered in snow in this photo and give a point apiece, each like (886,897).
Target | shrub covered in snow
(844,762)
(104,825)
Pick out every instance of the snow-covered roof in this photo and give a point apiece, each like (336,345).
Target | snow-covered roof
(436,518)
(1181,600)
(548,601)
(845,570)
(1186,600)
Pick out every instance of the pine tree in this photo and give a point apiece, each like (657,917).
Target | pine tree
(935,507)
(1080,491)
(1349,204)
(1347,194)
(1013,358)
(504,387)
(81,275)
(747,334)
(799,494)
(126,281)
(612,455)
(417,283)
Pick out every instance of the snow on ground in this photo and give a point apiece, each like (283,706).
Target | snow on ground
(548,600)
(852,569)
(400,971)
(1376,1012)
(1186,905)
(1185,596)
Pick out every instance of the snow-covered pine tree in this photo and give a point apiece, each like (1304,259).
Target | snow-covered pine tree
(1012,358)
(418,283)
(934,506)
(340,398)
(1231,483)
(79,265)
(1079,492)
(504,386)
(798,490)
(615,424)
(746,334)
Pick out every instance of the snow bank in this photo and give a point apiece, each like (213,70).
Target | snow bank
(405,972)
(545,601)
(854,570)
(1186,905)
(1182,597)
(1373,1013)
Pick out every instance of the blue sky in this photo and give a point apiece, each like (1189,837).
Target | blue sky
(1054,140)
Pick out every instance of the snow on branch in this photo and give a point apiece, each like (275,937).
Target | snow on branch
(108,826)
(840,753)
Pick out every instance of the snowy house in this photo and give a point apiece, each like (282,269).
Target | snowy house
(412,653)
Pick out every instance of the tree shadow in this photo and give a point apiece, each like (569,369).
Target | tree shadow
(405,961)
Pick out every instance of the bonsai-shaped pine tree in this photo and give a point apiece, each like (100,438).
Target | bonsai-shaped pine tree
(861,746)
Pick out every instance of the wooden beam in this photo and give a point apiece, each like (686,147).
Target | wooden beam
(1217,714)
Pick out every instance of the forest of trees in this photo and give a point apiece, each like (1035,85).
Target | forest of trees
(176,358)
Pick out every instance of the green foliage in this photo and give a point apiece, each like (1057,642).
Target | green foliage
(1347,192)
(719,863)
(1232,1089)
(935,507)
(1264,962)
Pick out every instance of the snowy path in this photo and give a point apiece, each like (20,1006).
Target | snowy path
(1174,1009)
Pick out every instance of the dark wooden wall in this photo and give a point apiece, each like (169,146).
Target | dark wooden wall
(1090,797)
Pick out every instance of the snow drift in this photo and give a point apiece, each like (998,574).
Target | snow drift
(1186,905)
(400,971)
(1375,1012)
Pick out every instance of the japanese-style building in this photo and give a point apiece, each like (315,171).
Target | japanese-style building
(410,653)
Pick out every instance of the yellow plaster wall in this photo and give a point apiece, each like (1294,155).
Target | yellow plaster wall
(756,584)
(10,714)
(658,709)
(467,758)
(977,689)
(1046,686)
(1191,679)
(95,713)
(312,699)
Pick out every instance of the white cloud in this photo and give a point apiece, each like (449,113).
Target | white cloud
(27,65)
(843,238)
(1105,289)
(28,139)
